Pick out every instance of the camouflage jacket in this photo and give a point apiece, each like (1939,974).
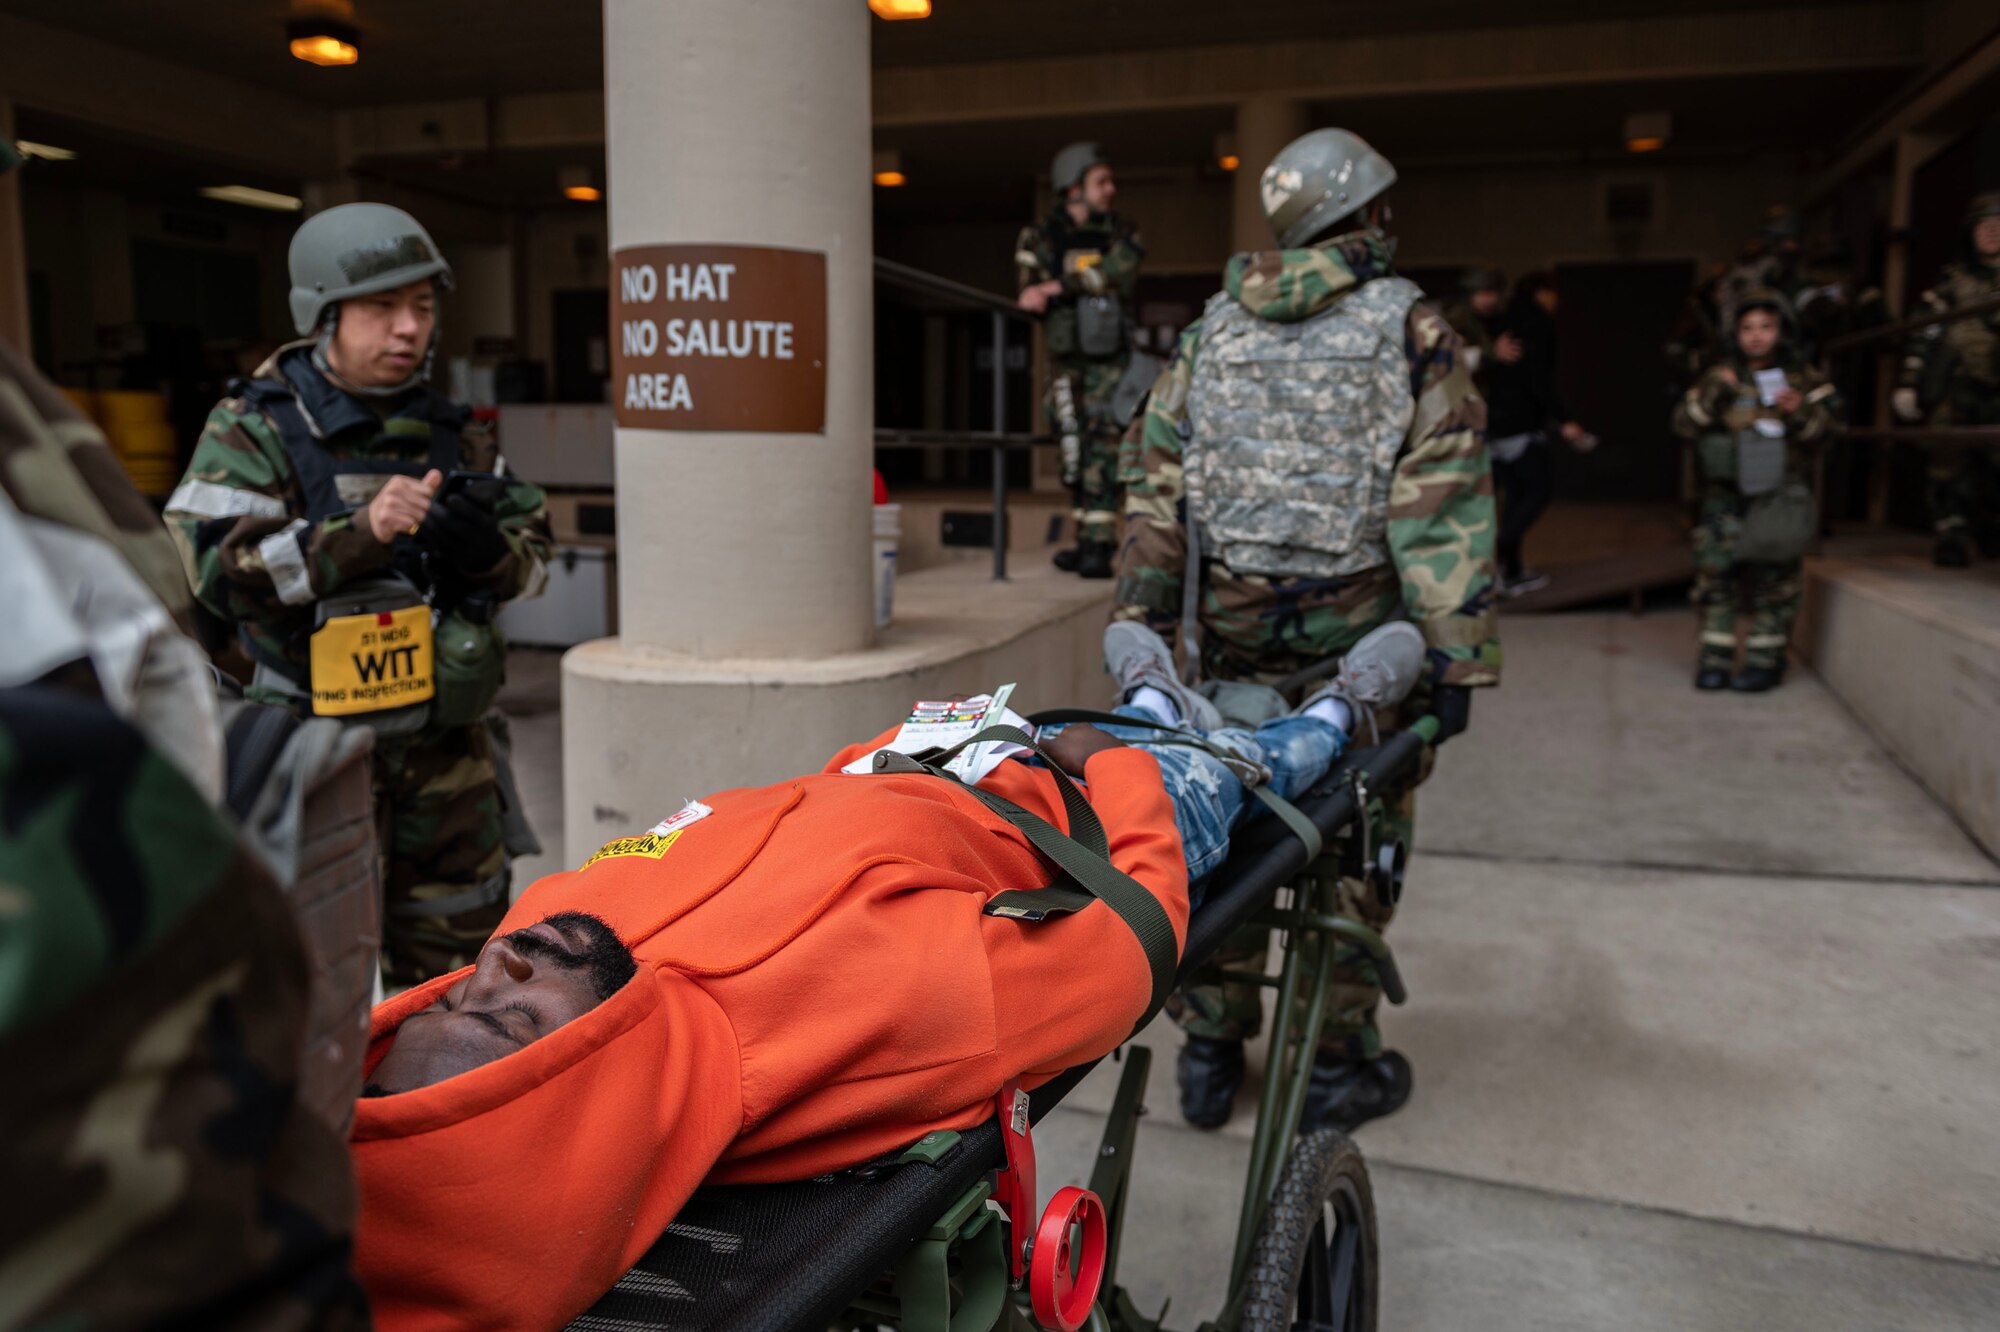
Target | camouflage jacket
(1725,401)
(1440,520)
(241,491)
(1964,349)
(1476,338)
(1097,257)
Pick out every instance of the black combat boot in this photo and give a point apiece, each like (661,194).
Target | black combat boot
(1757,679)
(1066,560)
(1210,1072)
(1709,675)
(1093,559)
(1346,1093)
(1951,553)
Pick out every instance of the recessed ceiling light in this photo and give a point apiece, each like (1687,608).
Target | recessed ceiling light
(251,197)
(901,9)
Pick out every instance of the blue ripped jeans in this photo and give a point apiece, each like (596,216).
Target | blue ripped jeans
(1209,800)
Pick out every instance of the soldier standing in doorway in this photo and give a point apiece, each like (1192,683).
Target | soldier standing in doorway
(340,515)
(1310,508)
(1078,270)
(1952,373)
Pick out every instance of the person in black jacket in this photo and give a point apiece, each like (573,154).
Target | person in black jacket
(1522,409)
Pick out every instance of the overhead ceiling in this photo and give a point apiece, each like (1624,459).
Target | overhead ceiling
(412,50)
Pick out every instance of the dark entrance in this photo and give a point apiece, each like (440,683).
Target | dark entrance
(583,344)
(1609,369)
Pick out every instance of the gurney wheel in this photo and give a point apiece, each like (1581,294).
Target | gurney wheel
(1314,1265)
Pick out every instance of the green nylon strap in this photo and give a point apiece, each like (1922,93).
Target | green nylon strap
(1088,870)
(1289,814)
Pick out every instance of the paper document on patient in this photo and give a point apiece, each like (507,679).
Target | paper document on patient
(943,723)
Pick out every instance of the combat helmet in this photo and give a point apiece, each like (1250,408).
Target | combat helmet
(1482,277)
(1073,163)
(1982,205)
(1319,178)
(355,249)
(1767,298)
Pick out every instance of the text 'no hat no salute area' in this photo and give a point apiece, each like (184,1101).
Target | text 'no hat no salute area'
(1000,665)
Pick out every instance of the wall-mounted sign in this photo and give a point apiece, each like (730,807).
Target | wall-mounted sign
(718,337)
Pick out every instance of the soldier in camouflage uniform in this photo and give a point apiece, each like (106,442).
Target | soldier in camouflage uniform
(1388,513)
(1952,371)
(161,1169)
(1078,270)
(1755,449)
(315,491)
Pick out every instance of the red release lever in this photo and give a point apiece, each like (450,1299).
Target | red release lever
(1063,1277)
(1014,1184)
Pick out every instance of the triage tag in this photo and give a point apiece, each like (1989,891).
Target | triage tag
(372,662)
(942,724)
(657,840)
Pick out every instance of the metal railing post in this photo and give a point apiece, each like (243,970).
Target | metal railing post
(999,449)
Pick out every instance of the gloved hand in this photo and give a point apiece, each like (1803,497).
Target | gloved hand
(1904,403)
(1452,706)
(465,533)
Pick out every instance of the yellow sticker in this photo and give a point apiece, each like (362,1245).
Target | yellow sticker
(1075,261)
(650,845)
(372,662)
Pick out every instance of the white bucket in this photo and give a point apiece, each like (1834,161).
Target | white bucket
(888,535)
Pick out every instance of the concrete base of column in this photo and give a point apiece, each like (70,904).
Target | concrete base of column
(646,730)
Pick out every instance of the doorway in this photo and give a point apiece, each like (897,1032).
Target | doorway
(582,344)
(1610,370)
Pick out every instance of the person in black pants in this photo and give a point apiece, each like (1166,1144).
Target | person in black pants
(1522,409)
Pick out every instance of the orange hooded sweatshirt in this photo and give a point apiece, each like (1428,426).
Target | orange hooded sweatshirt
(817,986)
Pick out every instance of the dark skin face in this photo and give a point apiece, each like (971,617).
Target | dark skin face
(525,985)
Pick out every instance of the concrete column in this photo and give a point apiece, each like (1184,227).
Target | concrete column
(748,124)
(1263,126)
(13,249)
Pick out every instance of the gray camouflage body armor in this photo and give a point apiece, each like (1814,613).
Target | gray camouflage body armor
(1295,429)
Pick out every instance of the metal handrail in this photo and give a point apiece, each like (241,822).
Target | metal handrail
(1000,310)
(1884,332)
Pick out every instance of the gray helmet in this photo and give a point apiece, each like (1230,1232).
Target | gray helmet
(355,249)
(1073,163)
(1319,178)
(1481,277)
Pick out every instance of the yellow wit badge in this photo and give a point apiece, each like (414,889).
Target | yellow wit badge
(1075,261)
(372,662)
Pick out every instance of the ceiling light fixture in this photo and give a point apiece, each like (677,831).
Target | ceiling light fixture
(900,9)
(887,166)
(579,183)
(322,32)
(1648,131)
(251,197)
(47,152)
(1225,151)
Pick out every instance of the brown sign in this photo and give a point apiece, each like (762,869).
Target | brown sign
(719,337)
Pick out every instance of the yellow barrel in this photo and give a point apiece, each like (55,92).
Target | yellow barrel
(84,400)
(117,407)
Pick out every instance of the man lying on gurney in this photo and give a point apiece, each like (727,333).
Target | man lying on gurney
(777,983)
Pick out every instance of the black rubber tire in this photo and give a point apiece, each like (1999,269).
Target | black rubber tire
(1295,1273)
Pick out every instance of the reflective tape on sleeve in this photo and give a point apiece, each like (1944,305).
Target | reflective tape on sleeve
(285,560)
(211,499)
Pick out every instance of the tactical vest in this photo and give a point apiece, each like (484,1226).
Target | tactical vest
(389,607)
(1295,429)
(1973,344)
(1085,326)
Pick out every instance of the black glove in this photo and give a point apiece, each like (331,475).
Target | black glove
(465,534)
(1452,706)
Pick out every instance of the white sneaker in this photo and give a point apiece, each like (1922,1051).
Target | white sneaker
(1136,656)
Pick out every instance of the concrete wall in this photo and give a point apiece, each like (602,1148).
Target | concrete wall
(1915,654)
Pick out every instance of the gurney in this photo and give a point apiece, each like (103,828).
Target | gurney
(909,1241)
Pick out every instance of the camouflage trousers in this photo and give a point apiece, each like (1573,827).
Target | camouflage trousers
(1096,499)
(1233,1010)
(1965,483)
(438,805)
(1724,587)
